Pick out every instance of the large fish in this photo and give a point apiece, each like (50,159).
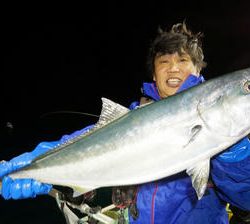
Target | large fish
(179,133)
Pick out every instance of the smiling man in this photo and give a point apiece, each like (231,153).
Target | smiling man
(171,70)
(174,62)
(173,57)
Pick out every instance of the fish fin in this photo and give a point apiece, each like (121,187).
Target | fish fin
(195,130)
(199,176)
(110,112)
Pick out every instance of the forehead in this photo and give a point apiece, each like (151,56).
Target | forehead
(175,54)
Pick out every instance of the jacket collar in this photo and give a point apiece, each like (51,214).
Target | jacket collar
(150,90)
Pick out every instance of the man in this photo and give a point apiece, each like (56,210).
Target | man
(175,62)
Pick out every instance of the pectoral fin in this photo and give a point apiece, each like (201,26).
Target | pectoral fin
(199,176)
(195,130)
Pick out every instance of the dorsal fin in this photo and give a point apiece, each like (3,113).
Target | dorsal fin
(110,111)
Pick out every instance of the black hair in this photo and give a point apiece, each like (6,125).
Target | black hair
(178,39)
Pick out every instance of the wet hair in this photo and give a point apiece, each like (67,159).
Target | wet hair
(178,39)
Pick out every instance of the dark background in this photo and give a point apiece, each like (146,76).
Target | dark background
(66,57)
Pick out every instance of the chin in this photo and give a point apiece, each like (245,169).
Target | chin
(170,93)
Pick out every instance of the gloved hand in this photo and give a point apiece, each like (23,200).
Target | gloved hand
(230,174)
(26,188)
(237,152)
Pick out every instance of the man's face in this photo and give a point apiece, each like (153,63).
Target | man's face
(171,70)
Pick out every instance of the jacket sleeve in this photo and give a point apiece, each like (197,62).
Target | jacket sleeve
(230,172)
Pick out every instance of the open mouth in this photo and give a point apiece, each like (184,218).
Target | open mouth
(174,82)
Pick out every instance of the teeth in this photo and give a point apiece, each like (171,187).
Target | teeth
(173,81)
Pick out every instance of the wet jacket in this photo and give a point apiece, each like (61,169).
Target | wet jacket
(173,200)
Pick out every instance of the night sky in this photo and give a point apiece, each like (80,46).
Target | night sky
(59,58)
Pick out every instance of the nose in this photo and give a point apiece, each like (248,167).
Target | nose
(173,67)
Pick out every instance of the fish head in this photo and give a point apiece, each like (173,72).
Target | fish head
(226,110)
(237,104)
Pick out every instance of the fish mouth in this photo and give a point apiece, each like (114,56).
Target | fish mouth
(173,82)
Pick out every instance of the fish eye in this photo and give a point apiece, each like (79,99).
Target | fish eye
(246,87)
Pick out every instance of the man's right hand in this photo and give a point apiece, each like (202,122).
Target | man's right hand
(24,188)
(29,188)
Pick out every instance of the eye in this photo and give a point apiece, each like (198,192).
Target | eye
(164,62)
(183,59)
(246,87)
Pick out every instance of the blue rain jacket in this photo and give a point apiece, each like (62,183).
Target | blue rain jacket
(173,200)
